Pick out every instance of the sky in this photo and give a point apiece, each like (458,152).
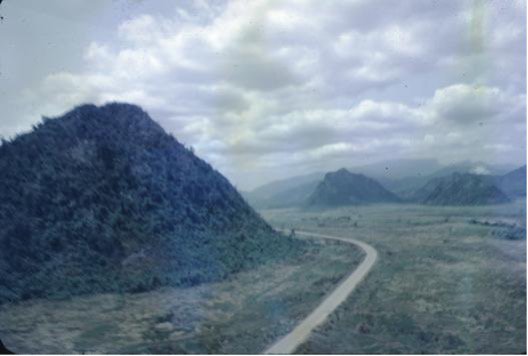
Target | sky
(265,90)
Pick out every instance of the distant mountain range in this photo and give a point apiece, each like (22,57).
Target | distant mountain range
(472,189)
(295,191)
(345,188)
(461,189)
(102,199)
(405,187)
(423,177)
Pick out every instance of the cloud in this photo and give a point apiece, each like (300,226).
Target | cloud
(259,86)
(467,104)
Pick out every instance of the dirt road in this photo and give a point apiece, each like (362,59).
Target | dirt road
(300,333)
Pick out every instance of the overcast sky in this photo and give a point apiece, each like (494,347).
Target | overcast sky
(269,89)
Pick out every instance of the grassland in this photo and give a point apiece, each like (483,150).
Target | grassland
(447,281)
(241,315)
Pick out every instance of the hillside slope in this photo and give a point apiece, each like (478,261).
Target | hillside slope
(345,188)
(461,189)
(102,199)
(410,186)
(513,183)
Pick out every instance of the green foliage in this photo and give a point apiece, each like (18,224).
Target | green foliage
(102,199)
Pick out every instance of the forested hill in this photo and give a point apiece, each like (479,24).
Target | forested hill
(102,199)
(345,188)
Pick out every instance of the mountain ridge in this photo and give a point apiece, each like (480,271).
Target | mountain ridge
(294,191)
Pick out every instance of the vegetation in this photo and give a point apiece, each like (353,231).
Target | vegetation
(103,203)
(442,283)
(345,188)
(244,313)
(102,200)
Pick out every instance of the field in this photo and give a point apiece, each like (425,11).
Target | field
(241,315)
(448,280)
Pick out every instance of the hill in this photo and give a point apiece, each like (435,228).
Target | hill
(409,187)
(400,176)
(102,199)
(294,191)
(461,189)
(410,179)
(513,183)
(345,188)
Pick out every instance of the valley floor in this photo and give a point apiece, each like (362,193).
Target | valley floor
(242,315)
(445,281)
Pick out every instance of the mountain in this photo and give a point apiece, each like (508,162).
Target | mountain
(513,183)
(403,177)
(408,188)
(284,193)
(102,200)
(294,191)
(461,189)
(345,188)
(424,191)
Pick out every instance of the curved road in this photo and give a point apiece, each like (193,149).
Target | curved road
(297,336)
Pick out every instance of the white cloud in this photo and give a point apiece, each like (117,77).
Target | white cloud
(267,84)
(466,104)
